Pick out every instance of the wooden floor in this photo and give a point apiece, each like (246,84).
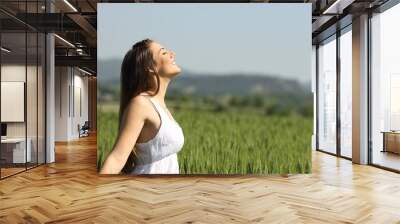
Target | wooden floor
(387,159)
(10,171)
(70,191)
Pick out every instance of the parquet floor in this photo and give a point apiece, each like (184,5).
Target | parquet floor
(70,191)
(10,171)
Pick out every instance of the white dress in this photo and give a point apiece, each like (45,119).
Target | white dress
(159,154)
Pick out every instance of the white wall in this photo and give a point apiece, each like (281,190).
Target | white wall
(62,81)
(14,72)
(80,84)
(70,84)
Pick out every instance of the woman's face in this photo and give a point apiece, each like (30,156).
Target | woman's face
(165,61)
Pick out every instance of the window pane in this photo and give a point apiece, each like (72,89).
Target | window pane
(386,89)
(31,97)
(14,153)
(41,98)
(327,96)
(346,94)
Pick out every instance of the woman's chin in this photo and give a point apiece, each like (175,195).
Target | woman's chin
(177,72)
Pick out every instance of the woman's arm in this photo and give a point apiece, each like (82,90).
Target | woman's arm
(131,126)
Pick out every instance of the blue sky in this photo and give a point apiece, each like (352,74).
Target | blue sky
(272,39)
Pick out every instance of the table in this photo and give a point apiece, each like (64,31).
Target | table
(13,150)
(391,141)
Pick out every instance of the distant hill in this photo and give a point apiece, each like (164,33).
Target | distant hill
(211,84)
(235,84)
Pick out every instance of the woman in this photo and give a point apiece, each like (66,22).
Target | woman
(149,138)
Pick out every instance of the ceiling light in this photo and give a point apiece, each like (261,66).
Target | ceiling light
(84,71)
(338,6)
(65,41)
(70,5)
(5,49)
(79,51)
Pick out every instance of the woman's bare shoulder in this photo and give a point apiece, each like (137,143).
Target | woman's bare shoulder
(139,102)
(139,105)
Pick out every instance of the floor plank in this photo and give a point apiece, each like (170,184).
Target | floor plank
(70,191)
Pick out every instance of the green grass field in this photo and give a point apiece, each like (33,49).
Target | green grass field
(241,141)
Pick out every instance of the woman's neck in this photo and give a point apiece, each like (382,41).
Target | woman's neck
(160,96)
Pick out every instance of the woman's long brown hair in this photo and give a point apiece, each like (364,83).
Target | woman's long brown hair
(135,79)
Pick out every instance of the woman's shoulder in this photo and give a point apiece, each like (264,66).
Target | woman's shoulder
(139,101)
(137,109)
